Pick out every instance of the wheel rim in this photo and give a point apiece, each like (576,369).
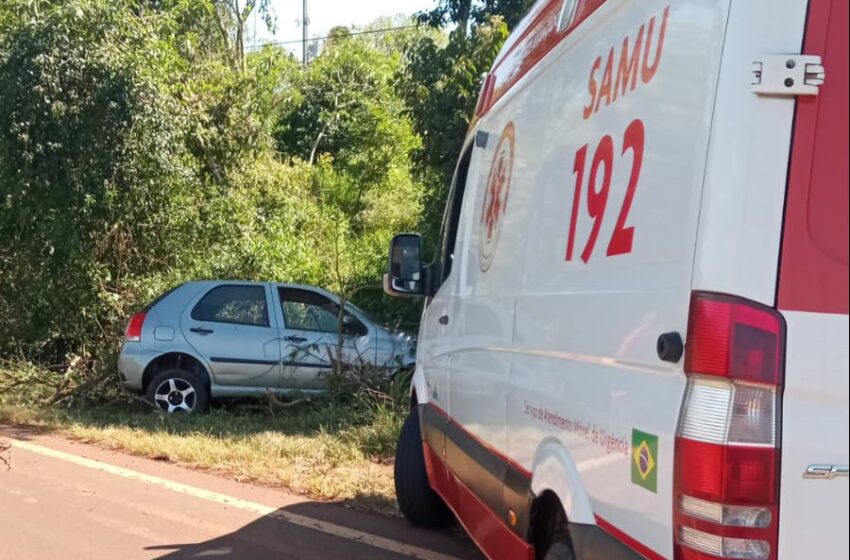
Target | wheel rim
(175,395)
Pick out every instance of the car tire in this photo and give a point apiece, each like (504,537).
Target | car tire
(178,390)
(419,504)
(560,550)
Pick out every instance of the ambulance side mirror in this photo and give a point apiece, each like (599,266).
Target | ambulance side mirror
(406,275)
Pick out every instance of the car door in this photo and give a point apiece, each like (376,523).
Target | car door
(489,252)
(465,376)
(230,326)
(437,338)
(310,338)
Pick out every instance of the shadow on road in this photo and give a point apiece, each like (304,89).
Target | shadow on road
(274,537)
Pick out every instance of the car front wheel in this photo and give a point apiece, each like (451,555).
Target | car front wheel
(177,390)
(417,501)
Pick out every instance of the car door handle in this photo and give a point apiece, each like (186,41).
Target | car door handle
(201,330)
(294,339)
(444,320)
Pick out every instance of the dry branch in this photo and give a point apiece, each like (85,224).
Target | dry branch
(67,390)
(275,402)
(6,453)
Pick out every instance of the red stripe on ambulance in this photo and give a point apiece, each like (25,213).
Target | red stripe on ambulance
(814,274)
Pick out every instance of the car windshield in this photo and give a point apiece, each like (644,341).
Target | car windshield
(366,315)
(359,311)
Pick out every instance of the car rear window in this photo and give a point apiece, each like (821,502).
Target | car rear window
(161,297)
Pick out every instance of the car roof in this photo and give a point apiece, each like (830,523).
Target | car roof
(212,283)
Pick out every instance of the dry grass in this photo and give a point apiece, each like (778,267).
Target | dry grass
(326,450)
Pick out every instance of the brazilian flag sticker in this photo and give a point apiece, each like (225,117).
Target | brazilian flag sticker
(645,460)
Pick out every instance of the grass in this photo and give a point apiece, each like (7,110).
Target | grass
(327,449)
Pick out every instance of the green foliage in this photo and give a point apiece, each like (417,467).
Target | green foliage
(231,19)
(94,190)
(351,126)
(477,12)
(349,111)
(440,84)
(230,114)
(141,146)
(134,155)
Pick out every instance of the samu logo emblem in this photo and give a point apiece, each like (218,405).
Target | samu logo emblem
(496,196)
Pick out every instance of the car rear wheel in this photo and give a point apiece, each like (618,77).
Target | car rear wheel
(177,390)
(417,501)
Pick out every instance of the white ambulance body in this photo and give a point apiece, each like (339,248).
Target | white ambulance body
(635,342)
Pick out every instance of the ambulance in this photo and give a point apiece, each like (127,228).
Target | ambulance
(635,334)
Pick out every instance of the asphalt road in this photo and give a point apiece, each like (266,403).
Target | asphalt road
(73,501)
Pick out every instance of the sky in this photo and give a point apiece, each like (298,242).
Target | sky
(325,14)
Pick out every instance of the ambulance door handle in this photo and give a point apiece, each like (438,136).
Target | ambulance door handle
(444,320)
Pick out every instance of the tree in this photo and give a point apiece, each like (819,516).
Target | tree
(232,16)
(93,177)
(136,153)
(458,12)
(464,13)
(351,126)
(440,84)
(349,115)
(339,32)
(232,112)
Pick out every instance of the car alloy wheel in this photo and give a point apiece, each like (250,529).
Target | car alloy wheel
(175,395)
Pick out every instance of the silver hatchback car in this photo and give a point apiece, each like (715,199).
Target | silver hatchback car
(205,340)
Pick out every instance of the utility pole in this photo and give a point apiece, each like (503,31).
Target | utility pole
(305,22)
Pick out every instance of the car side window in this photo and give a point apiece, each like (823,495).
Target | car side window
(241,305)
(304,310)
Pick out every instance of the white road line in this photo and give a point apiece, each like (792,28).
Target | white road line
(223,499)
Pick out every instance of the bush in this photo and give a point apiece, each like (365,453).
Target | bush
(95,188)
(134,156)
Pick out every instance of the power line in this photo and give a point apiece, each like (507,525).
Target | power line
(370,32)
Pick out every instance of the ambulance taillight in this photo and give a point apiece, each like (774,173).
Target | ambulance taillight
(727,463)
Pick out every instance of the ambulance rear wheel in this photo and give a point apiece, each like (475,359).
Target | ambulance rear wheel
(418,502)
(560,550)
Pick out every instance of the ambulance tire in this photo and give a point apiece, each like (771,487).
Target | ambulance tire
(419,504)
(560,550)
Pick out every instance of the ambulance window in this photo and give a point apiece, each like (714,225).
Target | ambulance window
(452,216)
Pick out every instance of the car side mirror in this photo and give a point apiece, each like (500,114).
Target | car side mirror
(405,277)
(352,326)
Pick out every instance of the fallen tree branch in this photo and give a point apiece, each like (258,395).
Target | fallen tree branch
(66,380)
(63,392)
(142,399)
(272,403)
(275,402)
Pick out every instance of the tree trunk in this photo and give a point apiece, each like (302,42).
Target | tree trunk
(463,16)
(240,44)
